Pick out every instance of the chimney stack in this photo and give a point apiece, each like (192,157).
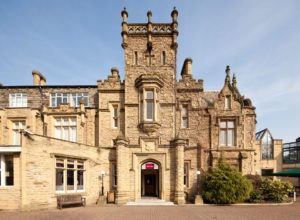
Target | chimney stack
(38,78)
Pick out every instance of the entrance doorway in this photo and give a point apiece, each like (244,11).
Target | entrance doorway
(150,180)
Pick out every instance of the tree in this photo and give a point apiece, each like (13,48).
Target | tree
(225,185)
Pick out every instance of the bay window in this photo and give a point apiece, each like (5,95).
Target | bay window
(227,133)
(70,175)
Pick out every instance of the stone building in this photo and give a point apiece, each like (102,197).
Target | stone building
(150,133)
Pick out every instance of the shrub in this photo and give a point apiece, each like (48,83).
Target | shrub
(276,191)
(225,185)
(255,196)
(255,180)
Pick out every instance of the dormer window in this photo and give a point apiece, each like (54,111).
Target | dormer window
(227,102)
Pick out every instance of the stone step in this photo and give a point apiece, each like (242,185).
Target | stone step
(149,202)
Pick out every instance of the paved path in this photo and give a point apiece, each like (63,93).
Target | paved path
(189,212)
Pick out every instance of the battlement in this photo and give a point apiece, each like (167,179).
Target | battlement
(149,29)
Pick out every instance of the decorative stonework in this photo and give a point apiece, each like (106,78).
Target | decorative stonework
(149,127)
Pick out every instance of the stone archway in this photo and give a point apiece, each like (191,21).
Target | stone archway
(158,175)
(150,179)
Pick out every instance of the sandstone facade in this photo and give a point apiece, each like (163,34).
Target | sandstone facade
(150,134)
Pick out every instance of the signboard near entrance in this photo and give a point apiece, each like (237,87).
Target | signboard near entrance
(149,166)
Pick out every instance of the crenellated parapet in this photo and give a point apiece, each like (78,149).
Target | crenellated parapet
(187,82)
(150,29)
(112,82)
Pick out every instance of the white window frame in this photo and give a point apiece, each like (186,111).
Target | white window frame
(76,97)
(3,172)
(148,101)
(61,127)
(65,175)
(226,129)
(16,131)
(18,100)
(54,96)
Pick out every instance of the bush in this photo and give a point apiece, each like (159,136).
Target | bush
(276,191)
(255,196)
(255,180)
(225,185)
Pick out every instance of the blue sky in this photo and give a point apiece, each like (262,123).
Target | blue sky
(77,42)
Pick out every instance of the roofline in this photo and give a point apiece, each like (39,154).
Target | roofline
(51,86)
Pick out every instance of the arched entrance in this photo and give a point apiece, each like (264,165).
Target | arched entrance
(150,179)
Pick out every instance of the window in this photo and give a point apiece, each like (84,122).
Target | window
(149,105)
(227,102)
(163,57)
(135,58)
(184,118)
(267,146)
(73,99)
(114,175)
(115,117)
(76,98)
(65,128)
(57,98)
(227,136)
(185,175)
(17,127)
(266,172)
(70,175)
(6,170)
(18,100)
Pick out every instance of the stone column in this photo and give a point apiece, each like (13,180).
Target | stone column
(122,195)
(179,144)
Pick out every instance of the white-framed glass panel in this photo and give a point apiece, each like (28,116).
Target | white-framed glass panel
(223,138)
(76,98)
(18,100)
(70,175)
(66,129)
(227,133)
(17,127)
(6,170)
